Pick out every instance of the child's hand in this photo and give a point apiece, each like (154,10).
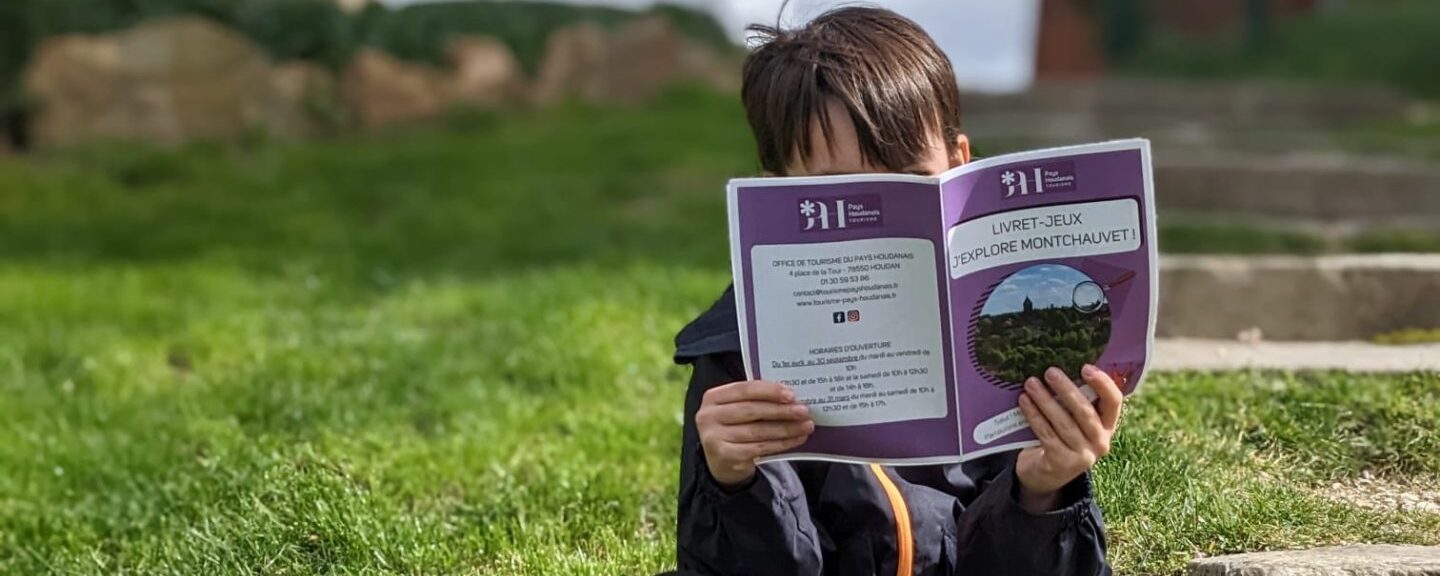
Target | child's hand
(1073,434)
(742,421)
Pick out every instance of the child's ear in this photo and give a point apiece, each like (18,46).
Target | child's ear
(961,152)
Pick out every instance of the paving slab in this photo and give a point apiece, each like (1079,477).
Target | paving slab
(1201,354)
(1320,187)
(1323,298)
(1356,560)
(1134,105)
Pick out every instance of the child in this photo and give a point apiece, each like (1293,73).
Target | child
(866,90)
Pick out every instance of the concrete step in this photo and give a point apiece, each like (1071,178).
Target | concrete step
(1342,297)
(1180,354)
(1126,104)
(1356,560)
(1318,187)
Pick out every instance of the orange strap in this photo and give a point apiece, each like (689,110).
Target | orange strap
(905,564)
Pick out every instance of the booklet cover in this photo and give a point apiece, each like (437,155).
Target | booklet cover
(907,311)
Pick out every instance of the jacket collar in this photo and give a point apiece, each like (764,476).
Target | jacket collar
(715,332)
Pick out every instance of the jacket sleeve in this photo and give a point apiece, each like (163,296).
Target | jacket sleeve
(997,536)
(763,528)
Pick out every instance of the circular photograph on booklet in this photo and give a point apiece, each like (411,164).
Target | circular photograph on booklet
(1041,316)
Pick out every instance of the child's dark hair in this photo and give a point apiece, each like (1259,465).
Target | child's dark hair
(891,77)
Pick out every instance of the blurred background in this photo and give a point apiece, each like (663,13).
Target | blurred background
(334,286)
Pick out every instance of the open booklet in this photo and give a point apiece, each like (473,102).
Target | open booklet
(907,311)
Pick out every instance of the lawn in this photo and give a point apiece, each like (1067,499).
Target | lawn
(1188,235)
(446,352)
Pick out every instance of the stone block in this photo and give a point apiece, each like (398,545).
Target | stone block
(1356,560)
(1298,298)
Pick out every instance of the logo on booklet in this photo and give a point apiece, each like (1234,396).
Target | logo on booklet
(1053,177)
(842,317)
(840,213)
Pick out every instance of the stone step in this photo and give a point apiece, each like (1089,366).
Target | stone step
(1180,354)
(1355,560)
(995,136)
(1343,297)
(1313,185)
(1325,188)
(1240,104)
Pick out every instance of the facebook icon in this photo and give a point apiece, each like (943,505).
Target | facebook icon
(838,317)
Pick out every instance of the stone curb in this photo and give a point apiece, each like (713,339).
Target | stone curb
(1319,188)
(1355,560)
(1172,355)
(1327,298)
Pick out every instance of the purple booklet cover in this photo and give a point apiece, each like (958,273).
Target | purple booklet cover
(907,311)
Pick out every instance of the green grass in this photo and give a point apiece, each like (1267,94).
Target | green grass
(1400,40)
(1417,138)
(447,352)
(1181,236)
(1229,462)
(1239,239)
(530,191)
(1395,241)
(1410,336)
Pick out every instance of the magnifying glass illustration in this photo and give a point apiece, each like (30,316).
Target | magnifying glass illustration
(1088,296)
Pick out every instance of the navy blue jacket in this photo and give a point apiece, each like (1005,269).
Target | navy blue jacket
(811,518)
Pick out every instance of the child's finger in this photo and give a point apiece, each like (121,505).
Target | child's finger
(756,411)
(1076,402)
(760,390)
(1039,425)
(1112,399)
(772,447)
(1058,417)
(768,431)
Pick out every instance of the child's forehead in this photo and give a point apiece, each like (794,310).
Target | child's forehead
(835,146)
